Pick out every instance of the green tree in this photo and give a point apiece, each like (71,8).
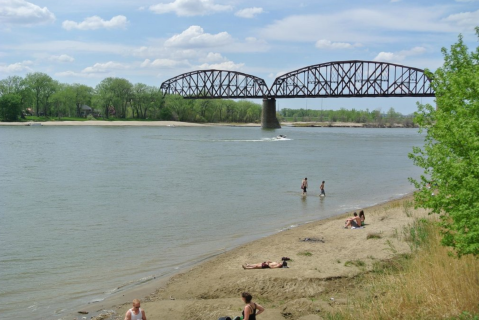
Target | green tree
(450,156)
(40,84)
(83,94)
(10,106)
(63,100)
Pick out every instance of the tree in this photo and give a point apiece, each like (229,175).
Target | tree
(83,95)
(450,156)
(40,85)
(104,95)
(63,100)
(10,106)
(12,84)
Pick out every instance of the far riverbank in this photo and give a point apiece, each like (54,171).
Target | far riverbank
(119,123)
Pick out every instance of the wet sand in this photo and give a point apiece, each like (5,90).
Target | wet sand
(317,272)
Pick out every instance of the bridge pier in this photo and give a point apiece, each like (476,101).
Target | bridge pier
(268,116)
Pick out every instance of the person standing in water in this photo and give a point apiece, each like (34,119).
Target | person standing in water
(323,193)
(304,186)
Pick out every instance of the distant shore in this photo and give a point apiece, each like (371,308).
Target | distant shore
(119,123)
(126,123)
(317,270)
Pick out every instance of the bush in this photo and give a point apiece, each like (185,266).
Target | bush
(10,107)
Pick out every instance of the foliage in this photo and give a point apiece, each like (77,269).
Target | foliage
(10,106)
(117,98)
(359,116)
(450,156)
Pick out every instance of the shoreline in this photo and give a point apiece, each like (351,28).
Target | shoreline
(135,123)
(113,306)
(119,123)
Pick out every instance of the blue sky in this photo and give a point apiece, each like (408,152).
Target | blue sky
(150,41)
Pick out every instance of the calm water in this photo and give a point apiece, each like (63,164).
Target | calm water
(85,210)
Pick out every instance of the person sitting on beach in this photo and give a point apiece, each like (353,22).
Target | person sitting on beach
(265,265)
(353,222)
(251,309)
(135,313)
(362,217)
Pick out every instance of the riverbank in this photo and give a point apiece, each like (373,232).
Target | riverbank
(344,125)
(133,123)
(318,271)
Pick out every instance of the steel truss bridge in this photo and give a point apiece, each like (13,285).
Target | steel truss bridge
(338,79)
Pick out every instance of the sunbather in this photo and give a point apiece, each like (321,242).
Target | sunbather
(265,265)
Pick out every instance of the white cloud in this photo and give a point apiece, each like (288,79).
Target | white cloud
(21,12)
(368,25)
(212,57)
(163,63)
(78,74)
(62,58)
(96,71)
(95,22)
(105,67)
(16,67)
(466,20)
(195,37)
(327,44)
(399,56)
(188,8)
(249,13)
(226,65)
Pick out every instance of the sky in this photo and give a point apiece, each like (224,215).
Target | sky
(150,41)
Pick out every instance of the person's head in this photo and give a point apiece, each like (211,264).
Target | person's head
(136,304)
(323,182)
(246,297)
(355,214)
(361,213)
(305,178)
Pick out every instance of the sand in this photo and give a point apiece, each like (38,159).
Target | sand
(130,124)
(318,271)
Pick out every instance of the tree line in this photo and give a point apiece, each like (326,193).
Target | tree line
(376,117)
(38,94)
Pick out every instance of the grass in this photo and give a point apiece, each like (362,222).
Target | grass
(305,253)
(428,283)
(373,235)
(356,263)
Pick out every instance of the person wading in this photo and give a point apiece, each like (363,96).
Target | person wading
(304,186)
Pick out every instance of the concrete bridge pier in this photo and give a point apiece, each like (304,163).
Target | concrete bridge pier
(268,117)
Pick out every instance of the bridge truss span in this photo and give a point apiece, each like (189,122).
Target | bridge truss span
(215,84)
(352,79)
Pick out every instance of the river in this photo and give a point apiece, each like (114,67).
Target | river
(87,212)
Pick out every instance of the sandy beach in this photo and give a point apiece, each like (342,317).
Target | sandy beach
(129,124)
(318,271)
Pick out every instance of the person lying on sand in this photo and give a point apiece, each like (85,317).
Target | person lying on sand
(354,222)
(266,265)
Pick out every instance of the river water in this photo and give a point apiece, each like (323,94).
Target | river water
(86,212)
